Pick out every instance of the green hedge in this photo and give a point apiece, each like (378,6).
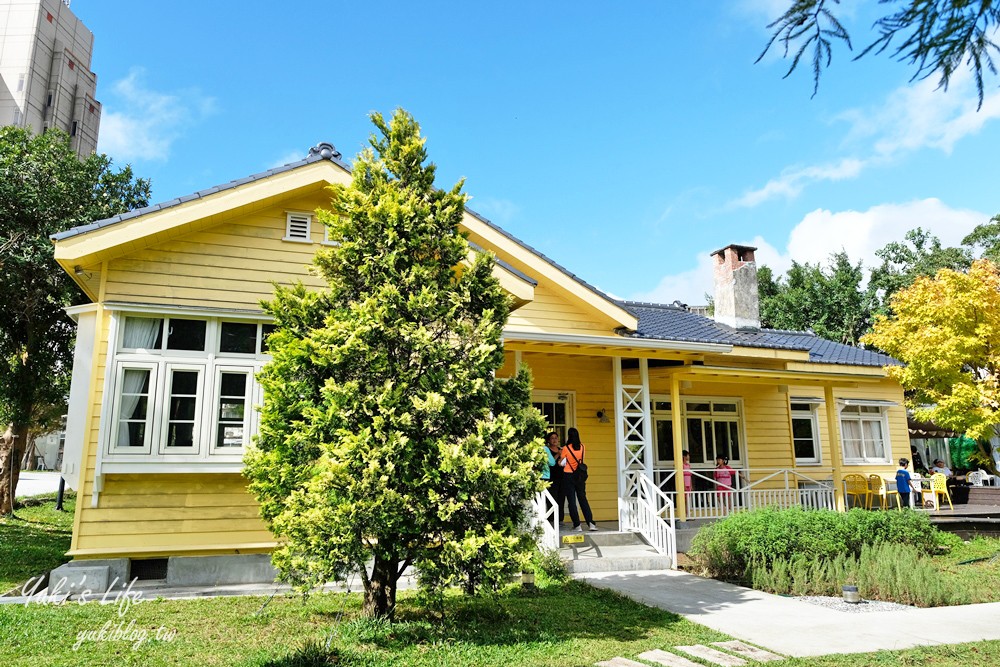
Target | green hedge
(725,549)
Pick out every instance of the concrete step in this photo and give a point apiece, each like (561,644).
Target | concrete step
(626,558)
(601,538)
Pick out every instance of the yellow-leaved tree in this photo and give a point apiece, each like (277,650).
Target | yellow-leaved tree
(946,329)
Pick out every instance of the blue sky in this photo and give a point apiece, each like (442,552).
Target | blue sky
(624,140)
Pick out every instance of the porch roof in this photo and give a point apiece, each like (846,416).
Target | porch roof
(675,322)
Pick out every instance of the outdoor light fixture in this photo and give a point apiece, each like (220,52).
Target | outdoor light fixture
(851,595)
(602,416)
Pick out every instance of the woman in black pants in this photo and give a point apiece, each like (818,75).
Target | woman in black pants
(575,480)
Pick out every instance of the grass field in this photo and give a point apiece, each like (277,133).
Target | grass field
(35,539)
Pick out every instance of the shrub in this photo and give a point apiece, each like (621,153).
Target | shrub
(549,567)
(728,548)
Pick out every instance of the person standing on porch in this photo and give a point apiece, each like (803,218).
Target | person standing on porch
(724,482)
(904,485)
(688,485)
(575,479)
(555,477)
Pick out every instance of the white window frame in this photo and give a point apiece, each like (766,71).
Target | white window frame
(326,237)
(249,400)
(812,414)
(293,223)
(155,456)
(151,409)
(882,418)
(738,417)
(199,409)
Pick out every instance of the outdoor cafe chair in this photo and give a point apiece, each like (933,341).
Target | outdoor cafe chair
(939,486)
(857,486)
(975,478)
(876,487)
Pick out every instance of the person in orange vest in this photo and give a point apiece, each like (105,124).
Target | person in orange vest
(575,479)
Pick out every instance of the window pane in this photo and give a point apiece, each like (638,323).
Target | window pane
(734,441)
(661,406)
(143,333)
(265,331)
(699,407)
(560,413)
(801,407)
(802,433)
(696,441)
(851,430)
(234,384)
(722,440)
(180,435)
(133,407)
(238,338)
(231,409)
(186,335)
(230,436)
(874,445)
(709,442)
(724,407)
(665,440)
(182,408)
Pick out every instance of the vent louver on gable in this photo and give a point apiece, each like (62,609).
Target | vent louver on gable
(297,227)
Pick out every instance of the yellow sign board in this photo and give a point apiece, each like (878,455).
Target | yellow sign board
(574,539)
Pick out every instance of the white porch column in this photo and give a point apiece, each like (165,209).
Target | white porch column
(633,431)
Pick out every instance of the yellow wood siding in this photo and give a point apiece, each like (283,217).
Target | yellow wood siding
(231,265)
(552,313)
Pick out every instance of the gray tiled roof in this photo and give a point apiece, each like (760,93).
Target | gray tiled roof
(316,154)
(673,322)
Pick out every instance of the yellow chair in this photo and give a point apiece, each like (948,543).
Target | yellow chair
(876,487)
(939,486)
(857,486)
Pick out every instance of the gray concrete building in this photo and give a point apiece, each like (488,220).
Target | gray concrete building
(45,77)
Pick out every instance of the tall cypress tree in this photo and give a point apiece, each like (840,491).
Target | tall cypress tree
(386,440)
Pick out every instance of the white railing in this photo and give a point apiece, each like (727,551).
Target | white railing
(651,514)
(751,488)
(545,519)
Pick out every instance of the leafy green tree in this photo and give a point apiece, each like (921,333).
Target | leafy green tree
(386,441)
(827,300)
(44,188)
(902,263)
(946,330)
(986,237)
(936,37)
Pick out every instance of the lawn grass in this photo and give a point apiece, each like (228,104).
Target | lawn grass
(35,539)
(562,624)
(981,579)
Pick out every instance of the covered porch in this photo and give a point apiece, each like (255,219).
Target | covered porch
(777,419)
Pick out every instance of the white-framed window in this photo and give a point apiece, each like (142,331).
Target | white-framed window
(326,237)
(298,227)
(183,387)
(864,430)
(805,430)
(712,427)
(558,409)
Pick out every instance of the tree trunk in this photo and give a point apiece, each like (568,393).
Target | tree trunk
(11,451)
(380,593)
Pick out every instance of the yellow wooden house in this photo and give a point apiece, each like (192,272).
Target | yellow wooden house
(163,392)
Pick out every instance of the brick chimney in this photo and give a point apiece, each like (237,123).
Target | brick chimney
(737,302)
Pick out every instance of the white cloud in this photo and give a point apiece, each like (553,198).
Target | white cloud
(500,211)
(909,119)
(141,124)
(792,181)
(820,234)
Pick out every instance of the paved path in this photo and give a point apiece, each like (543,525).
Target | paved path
(795,628)
(33,483)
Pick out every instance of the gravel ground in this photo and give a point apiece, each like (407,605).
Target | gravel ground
(863,607)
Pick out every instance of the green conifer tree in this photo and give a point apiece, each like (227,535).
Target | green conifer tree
(386,441)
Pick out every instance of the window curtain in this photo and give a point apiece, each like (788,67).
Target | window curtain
(134,381)
(852,438)
(874,443)
(141,332)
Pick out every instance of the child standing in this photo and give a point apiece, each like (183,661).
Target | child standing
(724,477)
(904,484)
(688,486)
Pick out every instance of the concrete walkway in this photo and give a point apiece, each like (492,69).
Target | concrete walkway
(796,628)
(35,482)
